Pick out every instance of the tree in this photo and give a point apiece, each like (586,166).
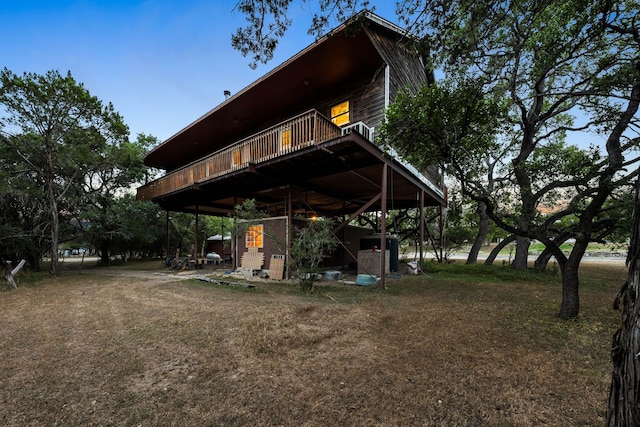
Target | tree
(215,225)
(101,203)
(122,225)
(462,225)
(23,213)
(454,127)
(312,239)
(484,222)
(58,133)
(550,58)
(624,395)
(556,172)
(518,49)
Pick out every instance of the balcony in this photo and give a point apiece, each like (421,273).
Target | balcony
(294,134)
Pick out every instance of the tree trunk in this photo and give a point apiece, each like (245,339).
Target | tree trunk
(543,259)
(55,225)
(104,252)
(624,400)
(541,262)
(34,261)
(11,283)
(624,393)
(53,205)
(521,260)
(523,179)
(570,305)
(481,237)
(494,253)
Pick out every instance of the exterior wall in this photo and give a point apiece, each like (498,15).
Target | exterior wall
(274,239)
(366,94)
(366,102)
(406,70)
(366,99)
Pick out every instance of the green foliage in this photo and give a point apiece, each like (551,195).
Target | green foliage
(212,225)
(182,226)
(243,215)
(67,160)
(24,213)
(248,210)
(551,59)
(107,210)
(260,37)
(457,236)
(268,21)
(461,224)
(121,165)
(215,225)
(312,239)
(124,225)
(443,124)
(58,136)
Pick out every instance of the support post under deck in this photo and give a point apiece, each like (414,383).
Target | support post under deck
(383,226)
(421,237)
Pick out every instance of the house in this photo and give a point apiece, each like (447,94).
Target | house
(301,139)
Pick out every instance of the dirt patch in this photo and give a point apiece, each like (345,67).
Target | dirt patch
(117,347)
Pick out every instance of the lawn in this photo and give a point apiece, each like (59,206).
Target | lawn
(458,346)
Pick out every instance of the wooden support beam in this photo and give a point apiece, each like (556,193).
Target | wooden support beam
(366,206)
(234,243)
(195,238)
(421,245)
(383,227)
(168,237)
(289,231)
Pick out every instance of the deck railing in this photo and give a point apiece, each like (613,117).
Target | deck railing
(301,131)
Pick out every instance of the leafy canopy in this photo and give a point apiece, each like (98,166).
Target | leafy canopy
(443,124)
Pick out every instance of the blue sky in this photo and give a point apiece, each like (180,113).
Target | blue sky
(162,64)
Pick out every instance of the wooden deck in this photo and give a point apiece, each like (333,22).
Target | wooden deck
(294,134)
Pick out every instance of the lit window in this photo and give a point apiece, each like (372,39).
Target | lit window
(285,139)
(254,236)
(340,113)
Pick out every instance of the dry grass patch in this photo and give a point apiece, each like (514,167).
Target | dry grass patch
(463,346)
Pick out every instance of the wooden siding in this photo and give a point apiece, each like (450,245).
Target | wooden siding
(306,129)
(366,98)
(406,70)
(274,240)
